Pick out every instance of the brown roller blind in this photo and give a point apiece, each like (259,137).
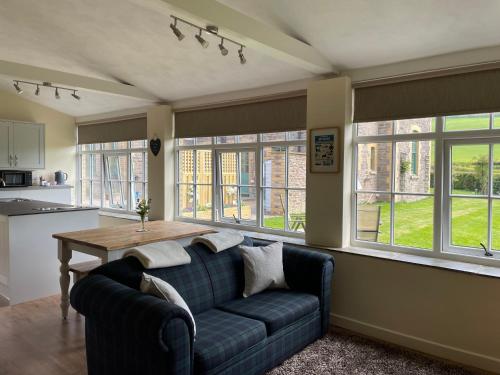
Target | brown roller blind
(476,92)
(113,131)
(250,118)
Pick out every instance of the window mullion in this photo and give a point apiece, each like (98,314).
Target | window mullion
(439,165)
(392,189)
(490,192)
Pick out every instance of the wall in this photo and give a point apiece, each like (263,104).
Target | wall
(60,136)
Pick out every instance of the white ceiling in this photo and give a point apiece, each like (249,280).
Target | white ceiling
(361,33)
(130,41)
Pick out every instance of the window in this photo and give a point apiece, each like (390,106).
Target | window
(112,175)
(436,189)
(256,180)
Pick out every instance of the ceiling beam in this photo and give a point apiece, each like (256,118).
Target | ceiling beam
(255,35)
(37,74)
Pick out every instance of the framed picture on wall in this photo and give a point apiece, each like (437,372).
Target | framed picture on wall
(324,150)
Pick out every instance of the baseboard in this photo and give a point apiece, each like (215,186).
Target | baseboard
(420,344)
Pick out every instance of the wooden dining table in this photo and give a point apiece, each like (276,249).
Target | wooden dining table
(110,243)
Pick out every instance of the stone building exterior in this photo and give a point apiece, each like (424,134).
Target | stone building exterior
(413,160)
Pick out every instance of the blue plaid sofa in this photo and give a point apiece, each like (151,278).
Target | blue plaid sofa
(129,332)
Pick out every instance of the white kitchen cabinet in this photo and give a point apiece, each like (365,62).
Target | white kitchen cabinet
(22,145)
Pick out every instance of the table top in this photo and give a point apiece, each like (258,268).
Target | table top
(126,236)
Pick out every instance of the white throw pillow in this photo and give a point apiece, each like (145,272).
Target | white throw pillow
(160,288)
(263,268)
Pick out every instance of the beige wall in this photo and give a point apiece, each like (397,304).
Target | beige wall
(60,138)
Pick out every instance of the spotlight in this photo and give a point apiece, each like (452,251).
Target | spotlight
(57,94)
(37,91)
(223,50)
(176,31)
(18,88)
(74,95)
(243,60)
(200,40)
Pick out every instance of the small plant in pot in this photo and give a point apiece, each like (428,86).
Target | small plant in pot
(142,209)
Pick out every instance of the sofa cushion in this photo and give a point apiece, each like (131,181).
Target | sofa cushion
(221,336)
(225,270)
(276,308)
(191,281)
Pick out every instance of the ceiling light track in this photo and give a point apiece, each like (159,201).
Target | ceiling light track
(57,95)
(210,29)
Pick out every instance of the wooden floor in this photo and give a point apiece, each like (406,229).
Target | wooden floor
(34,340)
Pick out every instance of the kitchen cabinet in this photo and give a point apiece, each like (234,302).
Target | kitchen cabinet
(22,145)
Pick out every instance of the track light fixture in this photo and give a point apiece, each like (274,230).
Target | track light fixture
(176,31)
(211,30)
(223,50)
(201,40)
(243,60)
(18,88)
(45,84)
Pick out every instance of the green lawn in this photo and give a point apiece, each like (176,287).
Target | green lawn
(413,225)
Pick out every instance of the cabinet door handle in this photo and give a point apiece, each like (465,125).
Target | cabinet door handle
(15,158)
(10,160)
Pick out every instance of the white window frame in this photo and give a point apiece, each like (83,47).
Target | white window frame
(103,154)
(443,140)
(258,147)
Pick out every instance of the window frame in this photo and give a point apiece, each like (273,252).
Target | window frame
(258,147)
(441,248)
(102,154)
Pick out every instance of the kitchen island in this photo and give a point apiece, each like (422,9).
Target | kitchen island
(29,268)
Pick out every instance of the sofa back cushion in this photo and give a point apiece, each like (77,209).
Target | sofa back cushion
(225,269)
(191,281)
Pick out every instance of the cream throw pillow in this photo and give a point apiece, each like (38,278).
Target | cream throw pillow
(160,288)
(263,268)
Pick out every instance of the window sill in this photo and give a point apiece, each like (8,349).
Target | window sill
(445,264)
(119,215)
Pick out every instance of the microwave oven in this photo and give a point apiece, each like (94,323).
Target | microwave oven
(15,179)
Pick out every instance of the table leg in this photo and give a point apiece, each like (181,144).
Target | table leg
(64,254)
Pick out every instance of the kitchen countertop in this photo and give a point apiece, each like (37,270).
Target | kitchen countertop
(29,207)
(37,187)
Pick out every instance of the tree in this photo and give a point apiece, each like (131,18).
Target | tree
(481,169)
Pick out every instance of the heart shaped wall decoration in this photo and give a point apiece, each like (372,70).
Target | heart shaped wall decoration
(155,146)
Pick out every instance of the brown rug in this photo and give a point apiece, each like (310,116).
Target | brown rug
(343,353)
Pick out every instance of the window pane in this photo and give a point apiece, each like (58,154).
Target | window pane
(204,166)
(373,217)
(495,225)
(186,200)
(274,166)
(413,221)
(414,166)
(117,167)
(247,168)
(116,194)
(96,194)
(204,202)
(248,197)
(496,120)
(186,163)
(374,166)
(297,210)
(138,144)
(230,201)
(115,145)
(226,139)
(204,140)
(270,137)
(137,193)
(297,166)
(229,168)
(87,147)
(467,122)
(274,208)
(469,169)
(297,135)
(419,125)
(85,166)
(469,222)
(138,166)
(85,194)
(186,141)
(247,138)
(496,170)
(96,166)
(374,128)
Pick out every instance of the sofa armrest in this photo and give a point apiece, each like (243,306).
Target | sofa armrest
(123,325)
(308,271)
